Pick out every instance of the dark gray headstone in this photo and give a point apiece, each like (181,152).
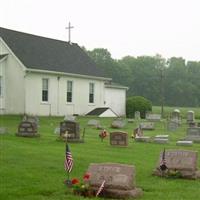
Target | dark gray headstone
(119,138)
(70,131)
(27,129)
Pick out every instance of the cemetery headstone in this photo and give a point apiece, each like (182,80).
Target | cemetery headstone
(153,117)
(193,134)
(176,116)
(27,129)
(147,126)
(119,138)
(70,118)
(32,119)
(70,131)
(172,125)
(137,115)
(181,161)
(190,116)
(161,140)
(118,123)
(119,180)
(93,122)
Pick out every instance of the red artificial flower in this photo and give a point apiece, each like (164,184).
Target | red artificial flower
(75,181)
(86,176)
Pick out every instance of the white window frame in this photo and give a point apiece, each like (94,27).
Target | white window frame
(69,93)
(45,90)
(91,92)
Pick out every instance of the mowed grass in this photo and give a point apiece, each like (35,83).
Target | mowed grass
(33,168)
(183,111)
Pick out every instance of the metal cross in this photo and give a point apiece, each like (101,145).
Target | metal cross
(69,32)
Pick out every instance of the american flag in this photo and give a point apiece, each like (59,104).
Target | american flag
(68,160)
(100,188)
(163,166)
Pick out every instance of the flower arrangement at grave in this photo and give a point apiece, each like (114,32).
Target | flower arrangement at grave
(103,134)
(83,187)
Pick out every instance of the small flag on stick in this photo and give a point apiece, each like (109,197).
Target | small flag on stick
(100,188)
(163,165)
(68,160)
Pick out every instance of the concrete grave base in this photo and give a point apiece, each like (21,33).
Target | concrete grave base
(186,174)
(27,135)
(143,139)
(184,143)
(120,194)
(161,141)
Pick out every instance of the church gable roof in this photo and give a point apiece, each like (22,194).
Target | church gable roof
(42,53)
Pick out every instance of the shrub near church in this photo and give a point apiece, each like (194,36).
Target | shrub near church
(137,103)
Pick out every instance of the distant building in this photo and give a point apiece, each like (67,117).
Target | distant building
(43,76)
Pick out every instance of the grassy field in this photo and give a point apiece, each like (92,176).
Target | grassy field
(183,111)
(32,168)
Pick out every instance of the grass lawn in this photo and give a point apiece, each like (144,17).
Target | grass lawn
(33,168)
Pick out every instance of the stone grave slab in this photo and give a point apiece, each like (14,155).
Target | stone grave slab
(153,117)
(70,131)
(119,180)
(147,126)
(162,136)
(184,161)
(119,138)
(193,134)
(161,140)
(118,123)
(184,143)
(27,129)
(143,139)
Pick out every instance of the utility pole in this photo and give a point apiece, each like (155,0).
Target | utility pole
(162,92)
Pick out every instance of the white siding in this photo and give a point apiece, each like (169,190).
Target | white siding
(14,83)
(115,98)
(57,104)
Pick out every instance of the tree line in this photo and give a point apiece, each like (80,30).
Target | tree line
(173,82)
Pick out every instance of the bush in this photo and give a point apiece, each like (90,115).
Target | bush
(137,103)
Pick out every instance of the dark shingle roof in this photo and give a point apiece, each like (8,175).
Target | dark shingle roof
(49,54)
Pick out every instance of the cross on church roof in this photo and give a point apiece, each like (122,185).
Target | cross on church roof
(69,32)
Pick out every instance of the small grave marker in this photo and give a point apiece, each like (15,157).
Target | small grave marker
(119,138)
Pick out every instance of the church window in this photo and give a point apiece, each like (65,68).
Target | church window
(45,87)
(69,91)
(91,93)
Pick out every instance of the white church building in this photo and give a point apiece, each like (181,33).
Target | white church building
(43,76)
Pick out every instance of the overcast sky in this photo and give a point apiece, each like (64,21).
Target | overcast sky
(124,27)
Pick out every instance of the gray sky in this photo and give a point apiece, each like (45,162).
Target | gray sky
(124,27)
